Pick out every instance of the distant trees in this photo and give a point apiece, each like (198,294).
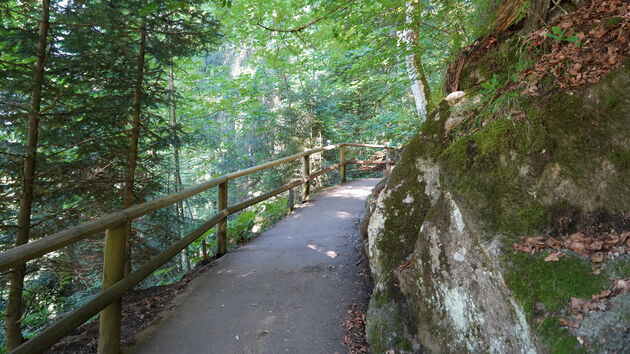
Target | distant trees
(85,76)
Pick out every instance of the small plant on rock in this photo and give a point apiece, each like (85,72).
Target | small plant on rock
(559,34)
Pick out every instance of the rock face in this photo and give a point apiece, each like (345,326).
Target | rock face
(439,233)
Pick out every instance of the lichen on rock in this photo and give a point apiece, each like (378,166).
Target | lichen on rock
(454,282)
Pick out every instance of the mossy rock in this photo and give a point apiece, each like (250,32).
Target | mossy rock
(392,228)
(572,149)
(389,324)
(439,244)
(489,172)
(547,287)
(405,202)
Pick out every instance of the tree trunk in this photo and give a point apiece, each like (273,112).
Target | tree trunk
(14,306)
(177,177)
(411,36)
(128,198)
(173,118)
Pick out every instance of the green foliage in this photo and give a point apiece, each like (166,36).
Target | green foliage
(165,275)
(559,34)
(86,104)
(495,97)
(270,212)
(490,88)
(503,106)
(240,229)
(523,11)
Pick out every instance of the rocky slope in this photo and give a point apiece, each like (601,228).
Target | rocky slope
(450,235)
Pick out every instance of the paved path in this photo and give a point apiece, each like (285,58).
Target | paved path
(287,291)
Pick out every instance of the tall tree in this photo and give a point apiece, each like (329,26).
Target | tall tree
(134,135)
(14,306)
(411,36)
(177,176)
(166,30)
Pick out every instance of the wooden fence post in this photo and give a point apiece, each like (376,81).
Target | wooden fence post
(388,157)
(113,271)
(342,163)
(204,250)
(291,200)
(306,171)
(222,225)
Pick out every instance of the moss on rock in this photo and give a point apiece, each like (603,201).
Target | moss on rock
(406,202)
(558,339)
(450,209)
(571,147)
(389,325)
(393,228)
(489,173)
(542,287)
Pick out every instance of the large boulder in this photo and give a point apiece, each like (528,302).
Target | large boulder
(440,231)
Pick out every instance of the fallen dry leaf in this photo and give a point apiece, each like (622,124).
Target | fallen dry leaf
(602,46)
(577,237)
(598,242)
(355,340)
(595,245)
(576,303)
(622,285)
(577,247)
(597,257)
(553,242)
(554,257)
(404,266)
(596,270)
(568,323)
(602,294)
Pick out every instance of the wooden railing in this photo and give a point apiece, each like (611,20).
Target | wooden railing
(108,302)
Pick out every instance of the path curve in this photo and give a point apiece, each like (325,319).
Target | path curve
(286,291)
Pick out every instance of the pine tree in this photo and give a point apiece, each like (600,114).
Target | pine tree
(14,305)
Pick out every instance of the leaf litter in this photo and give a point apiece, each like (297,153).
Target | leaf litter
(596,247)
(355,339)
(597,243)
(583,46)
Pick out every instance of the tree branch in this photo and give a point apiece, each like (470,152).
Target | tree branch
(310,23)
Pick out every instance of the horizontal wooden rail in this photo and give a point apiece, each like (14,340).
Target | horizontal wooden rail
(79,316)
(369,162)
(20,255)
(238,207)
(371,146)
